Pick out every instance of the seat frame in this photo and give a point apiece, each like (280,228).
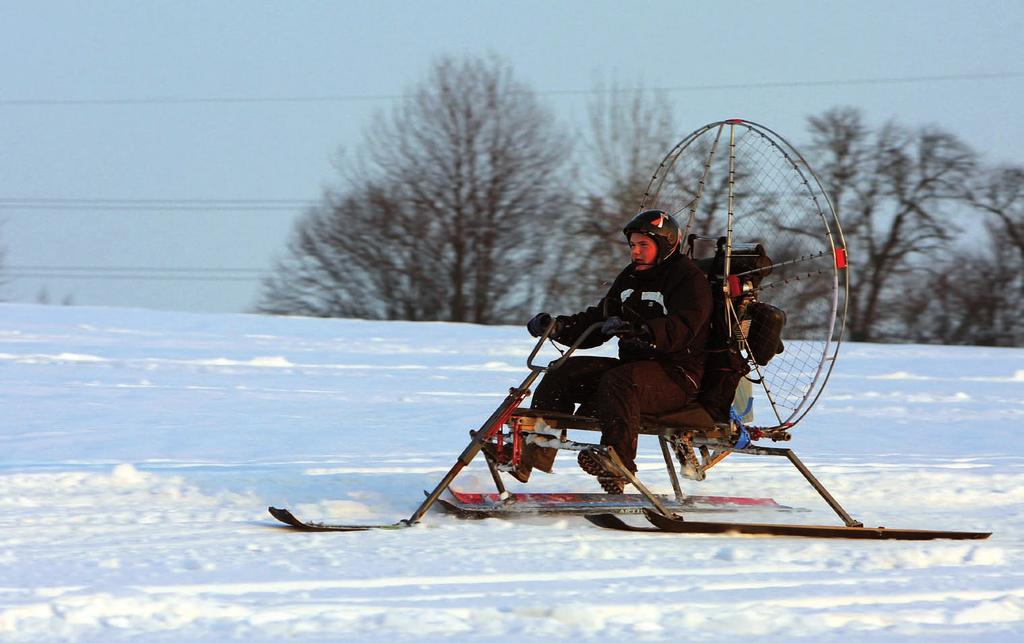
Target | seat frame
(712,441)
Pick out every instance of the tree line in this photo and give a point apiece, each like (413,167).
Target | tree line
(468,201)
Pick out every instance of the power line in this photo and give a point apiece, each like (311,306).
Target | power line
(124,200)
(895,80)
(349,98)
(125,277)
(151,208)
(132,268)
(157,205)
(130,273)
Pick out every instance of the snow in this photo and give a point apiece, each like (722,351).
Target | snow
(141,449)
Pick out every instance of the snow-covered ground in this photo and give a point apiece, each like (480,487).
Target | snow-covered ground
(141,449)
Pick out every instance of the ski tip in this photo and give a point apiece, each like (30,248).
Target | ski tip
(606,520)
(281,514)
(285,516)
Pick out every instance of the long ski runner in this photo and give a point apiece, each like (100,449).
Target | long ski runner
(664,524)
(483,505)
(602,498)
(289,519)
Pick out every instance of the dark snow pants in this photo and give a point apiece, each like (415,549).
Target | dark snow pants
(616,393)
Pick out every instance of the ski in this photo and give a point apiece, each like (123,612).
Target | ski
(611,521)
(289,519)
(599,498)
(497,510)
(486,505)
(512,509)
(680,526)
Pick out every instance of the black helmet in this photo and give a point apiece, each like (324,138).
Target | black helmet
(659,226)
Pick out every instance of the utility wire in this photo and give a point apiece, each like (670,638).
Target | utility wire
(129,274)
(136,200)
(132,273)
(156,205)
(129,268)
(125,277)
(349,98)
(155,208)
(62,200)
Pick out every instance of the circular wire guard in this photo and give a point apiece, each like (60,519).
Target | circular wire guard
(738,180)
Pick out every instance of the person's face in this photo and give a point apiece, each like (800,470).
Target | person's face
(642,251)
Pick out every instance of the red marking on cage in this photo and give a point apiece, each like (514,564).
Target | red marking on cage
(840,258)
(735,121)
(735,287)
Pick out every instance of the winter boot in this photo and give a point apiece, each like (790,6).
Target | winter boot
(592,461)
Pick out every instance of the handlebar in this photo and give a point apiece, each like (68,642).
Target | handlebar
(572,349)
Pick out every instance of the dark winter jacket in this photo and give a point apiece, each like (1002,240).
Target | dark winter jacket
(672,301)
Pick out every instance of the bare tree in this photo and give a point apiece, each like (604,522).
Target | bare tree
(1000,194)
(971,296)
(897,192)
(995,278)
(450,214)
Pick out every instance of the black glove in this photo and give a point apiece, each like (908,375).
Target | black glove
(618,326)
(539,324)
(637,347)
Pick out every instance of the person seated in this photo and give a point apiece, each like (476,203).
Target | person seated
(658,308)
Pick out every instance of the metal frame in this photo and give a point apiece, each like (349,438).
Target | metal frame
(684,442)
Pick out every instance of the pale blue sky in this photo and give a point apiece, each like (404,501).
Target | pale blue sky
(82,114)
